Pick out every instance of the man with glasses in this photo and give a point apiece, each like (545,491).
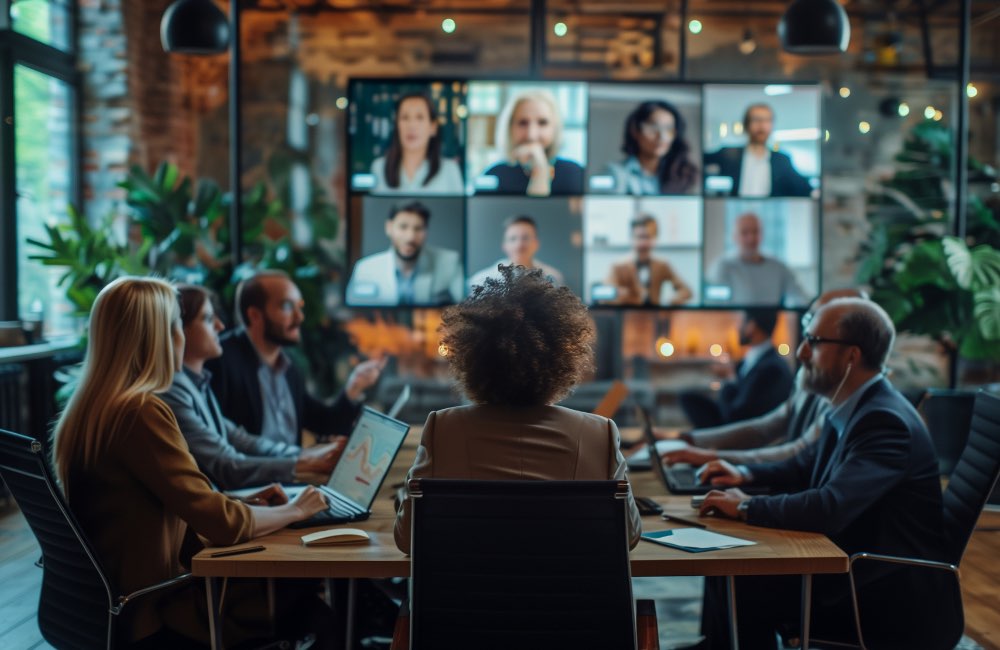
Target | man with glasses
(756,169)
(777,435)
(870,484)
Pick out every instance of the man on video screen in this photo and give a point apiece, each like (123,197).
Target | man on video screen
(751,277)
(756,169)
(520,243)
(639,278)
(409,272)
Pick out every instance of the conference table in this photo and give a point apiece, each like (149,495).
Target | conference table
(776,552)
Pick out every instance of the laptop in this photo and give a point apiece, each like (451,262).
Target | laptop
(679,478)
(397,406)
(359,474)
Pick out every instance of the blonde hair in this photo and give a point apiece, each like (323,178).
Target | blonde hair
(130,355)
(506,119)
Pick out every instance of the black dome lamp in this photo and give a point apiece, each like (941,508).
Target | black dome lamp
(815,27)
(194,27)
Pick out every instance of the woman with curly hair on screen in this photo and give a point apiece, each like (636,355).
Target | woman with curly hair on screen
(517,346)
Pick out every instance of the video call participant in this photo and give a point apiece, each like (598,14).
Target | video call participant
(870,484)
(516,346)
(756,169)
(520,243)
(640,277)
(529,132)
(761,380)
(778,435)
(413,163)
(410,272)
(225,452)
(257,385)
(752,277)
(656,153)
(136,491)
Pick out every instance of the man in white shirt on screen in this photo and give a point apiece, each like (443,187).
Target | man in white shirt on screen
(756,169)
(520,243)
(409,272)
(751,278)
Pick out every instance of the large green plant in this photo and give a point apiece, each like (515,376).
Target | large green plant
(931,283)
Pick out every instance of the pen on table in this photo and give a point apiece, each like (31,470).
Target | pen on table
(682,520)
(237,551)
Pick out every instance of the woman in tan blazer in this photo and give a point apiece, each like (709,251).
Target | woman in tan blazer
(517,346)
(127,473)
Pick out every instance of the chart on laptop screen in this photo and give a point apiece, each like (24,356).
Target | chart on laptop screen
(369,453)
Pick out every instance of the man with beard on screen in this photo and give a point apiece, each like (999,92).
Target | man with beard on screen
(409,272)
(257,385)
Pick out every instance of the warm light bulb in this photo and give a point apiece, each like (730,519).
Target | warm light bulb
(845,92)
(904,109)
(971,90)
(864,127)
(664,347)
(694,26)
(826,135)
(560,29)
(341,103)
(783,349)
(938,115)
(715,350)
(929,112)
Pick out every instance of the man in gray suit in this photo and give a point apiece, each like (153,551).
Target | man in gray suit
(409,272)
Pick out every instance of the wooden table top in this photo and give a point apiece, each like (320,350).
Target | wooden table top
(776,551)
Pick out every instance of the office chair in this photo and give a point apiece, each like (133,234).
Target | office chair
(520,564)
(948,414)
(970,486)
(79,607)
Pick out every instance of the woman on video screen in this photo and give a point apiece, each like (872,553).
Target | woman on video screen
(529,131)
(413,162)
(656,153)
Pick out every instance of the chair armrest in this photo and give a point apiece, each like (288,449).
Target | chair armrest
(895,559)
(126,599)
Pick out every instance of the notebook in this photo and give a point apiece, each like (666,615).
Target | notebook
(694,540)
(360,472)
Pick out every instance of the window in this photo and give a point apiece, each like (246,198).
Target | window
(48,21)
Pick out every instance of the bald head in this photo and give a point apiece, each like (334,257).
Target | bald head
(747,235)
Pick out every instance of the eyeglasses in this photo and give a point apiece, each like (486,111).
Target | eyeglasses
(814,340)
(652,130)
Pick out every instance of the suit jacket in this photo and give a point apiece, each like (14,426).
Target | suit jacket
(764,387)
(137,504)
(484,442)
(625,276)
(439,279)
(774,436)
(874,489)
(229,456)
(236,385)
(785,181)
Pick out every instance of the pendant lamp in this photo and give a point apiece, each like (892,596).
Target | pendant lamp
(194,27)
(814,27)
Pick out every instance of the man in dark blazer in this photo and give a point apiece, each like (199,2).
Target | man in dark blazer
(870,483)
(761,382)
(257,385)
(769,172)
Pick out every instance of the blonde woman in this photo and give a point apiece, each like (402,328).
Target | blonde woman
(126,470)
(529,132)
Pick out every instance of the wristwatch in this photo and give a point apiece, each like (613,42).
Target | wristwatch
(743,509)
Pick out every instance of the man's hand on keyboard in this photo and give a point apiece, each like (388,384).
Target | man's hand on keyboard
(719,472)
(272,495)
(309,502)
(691,455)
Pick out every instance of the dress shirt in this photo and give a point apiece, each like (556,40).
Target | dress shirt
(841,415)
(279,421)
(404,286)
(755,174)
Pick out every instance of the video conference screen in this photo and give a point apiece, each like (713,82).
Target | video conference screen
(685,195)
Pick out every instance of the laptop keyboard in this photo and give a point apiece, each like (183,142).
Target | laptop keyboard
(684,476)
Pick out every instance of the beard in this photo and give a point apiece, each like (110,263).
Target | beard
(276,335)
(821,382)
(408,258)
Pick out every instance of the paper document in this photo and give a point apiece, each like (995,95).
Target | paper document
(640,459)
(695,540)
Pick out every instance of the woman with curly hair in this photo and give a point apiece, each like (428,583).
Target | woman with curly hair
(656,153)
(517,345)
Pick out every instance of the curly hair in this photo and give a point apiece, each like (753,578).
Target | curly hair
(518,340)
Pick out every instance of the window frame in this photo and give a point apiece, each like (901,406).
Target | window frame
(18,49)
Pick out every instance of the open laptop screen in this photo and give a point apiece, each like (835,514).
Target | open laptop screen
(369,454)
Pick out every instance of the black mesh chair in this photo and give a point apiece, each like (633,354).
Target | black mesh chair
(970,485)
(948,414)
(79,607)
(520,564)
